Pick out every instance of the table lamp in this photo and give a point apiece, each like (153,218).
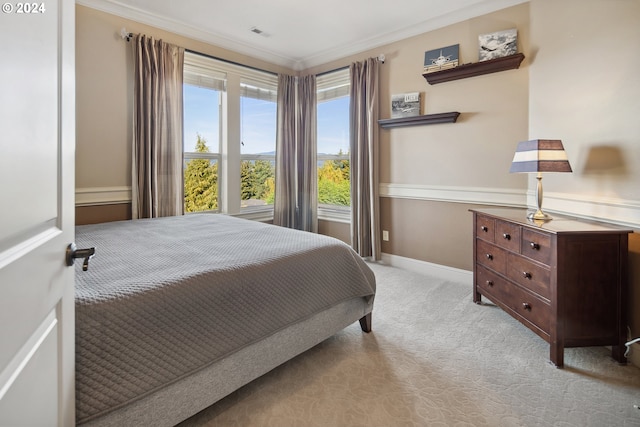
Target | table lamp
(540,155)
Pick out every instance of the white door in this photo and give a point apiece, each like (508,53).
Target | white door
(37,143)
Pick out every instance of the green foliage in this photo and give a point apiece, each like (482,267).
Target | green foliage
(257,180)
(333,183)
(200,182)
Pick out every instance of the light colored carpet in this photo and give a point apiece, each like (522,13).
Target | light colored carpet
(434,358)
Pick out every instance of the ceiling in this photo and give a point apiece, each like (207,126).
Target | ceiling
(298,34)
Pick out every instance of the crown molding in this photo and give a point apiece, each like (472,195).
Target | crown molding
(481,7)
(468,12)
(163,23)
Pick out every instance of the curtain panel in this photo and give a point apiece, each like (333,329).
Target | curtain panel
(157,188)
(307,147)
(296,195)
(363,121)
(284,204)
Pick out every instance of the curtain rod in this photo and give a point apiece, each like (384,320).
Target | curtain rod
(128,36)
(332,71)
(230,62)
(380,58)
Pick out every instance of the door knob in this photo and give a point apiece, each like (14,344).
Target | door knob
(73,253)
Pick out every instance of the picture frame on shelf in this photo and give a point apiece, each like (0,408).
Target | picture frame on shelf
(498,44)
(442,58)
(405,105)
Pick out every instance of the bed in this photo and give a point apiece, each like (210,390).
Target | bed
(175,313)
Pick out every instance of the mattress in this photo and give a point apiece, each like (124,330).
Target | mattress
(165,298)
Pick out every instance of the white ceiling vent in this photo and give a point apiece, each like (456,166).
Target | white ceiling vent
(259,32)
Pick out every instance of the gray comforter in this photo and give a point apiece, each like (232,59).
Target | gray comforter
(166,297)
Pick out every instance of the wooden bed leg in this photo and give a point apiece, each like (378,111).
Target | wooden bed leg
(365,323)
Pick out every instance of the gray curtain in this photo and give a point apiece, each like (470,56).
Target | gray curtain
(365,204)
(307,147)
(284,205)
(156,187)
(296,195)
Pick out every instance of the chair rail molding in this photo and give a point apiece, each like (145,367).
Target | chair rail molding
(622,212)
(91,196)
(453,194)
(618,211)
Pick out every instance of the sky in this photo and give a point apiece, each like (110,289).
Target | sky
(258,123)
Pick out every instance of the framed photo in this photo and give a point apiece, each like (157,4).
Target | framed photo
(405,105)
(441,59)
(498,44)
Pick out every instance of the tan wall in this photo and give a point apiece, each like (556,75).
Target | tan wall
(102,213)
(438,232)
(338,230)
(584,89)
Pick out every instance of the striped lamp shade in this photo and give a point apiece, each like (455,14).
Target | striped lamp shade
(540,155)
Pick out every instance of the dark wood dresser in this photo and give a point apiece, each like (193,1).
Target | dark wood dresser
(564,279)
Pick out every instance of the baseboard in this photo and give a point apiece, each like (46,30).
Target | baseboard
(431,269)
(95,196)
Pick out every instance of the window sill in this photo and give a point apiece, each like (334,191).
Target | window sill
(325,213)
(334,214)
(262,214)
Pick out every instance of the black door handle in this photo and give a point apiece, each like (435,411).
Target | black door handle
(73,253)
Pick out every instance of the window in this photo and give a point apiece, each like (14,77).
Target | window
(202,92)
(258,109)
(229,137)
(334,192)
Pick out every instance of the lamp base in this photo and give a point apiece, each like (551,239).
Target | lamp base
(539,216)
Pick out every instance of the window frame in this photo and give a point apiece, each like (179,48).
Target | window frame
(228,156)
(329,86)
(265,91)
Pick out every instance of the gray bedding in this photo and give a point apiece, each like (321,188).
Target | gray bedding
(164,298)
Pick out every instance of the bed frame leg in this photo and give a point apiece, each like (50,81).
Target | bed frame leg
(365,323)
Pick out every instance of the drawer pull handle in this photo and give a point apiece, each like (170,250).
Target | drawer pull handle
(526,306)
(490,282)
(535,246)
(526,275)
(507,236)
(489,256)
(484,228)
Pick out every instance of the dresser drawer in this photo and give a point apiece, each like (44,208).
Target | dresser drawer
(507,235)
(491,256)
(485,228)
(517,300)
(529,275)
(536,246)
(490,283)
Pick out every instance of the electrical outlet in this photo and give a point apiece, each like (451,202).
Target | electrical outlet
(385,235)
